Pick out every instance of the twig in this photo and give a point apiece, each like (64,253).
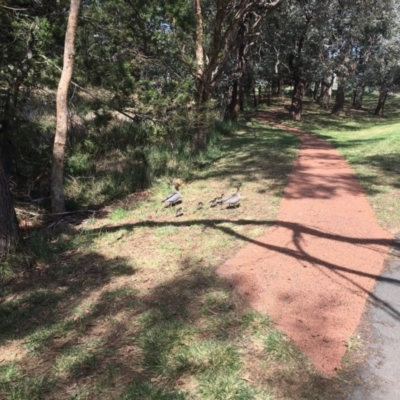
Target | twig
(14,8)
(247,379)
(53,214)
(55,224)
(18,210)
(40,199)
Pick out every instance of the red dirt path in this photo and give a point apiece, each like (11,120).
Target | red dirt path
(315,269)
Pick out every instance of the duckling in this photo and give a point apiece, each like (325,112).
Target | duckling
(174,197)
(179,212)
(216,200)
(234,199)
(200,205)
(212,203)
(219,199)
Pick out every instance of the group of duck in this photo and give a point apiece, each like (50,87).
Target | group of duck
(231,201)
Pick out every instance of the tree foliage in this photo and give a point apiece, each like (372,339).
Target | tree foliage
(171,70)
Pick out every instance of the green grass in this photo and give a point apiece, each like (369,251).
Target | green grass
(14,386)
(278,346)
(148,390)
(118,214)
(75,361)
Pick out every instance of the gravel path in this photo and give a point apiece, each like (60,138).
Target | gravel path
(315,269)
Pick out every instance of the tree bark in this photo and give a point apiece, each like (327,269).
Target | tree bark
(280,91)
(269,84)
(200,135)
(326,92)
(232,109)
(358,94)
(241,97)
(316,90)
(339,102)
(380,108)
(297,99)
(57,173)
(9,230)
(235,105)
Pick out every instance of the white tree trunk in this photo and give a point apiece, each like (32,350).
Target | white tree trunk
(57,173)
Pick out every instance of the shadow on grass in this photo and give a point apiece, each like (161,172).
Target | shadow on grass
(189,333)
(351,120)
(48,294)
(257,152)
(298,230)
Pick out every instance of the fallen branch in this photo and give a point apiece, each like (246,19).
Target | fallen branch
(135,118)
(19,210)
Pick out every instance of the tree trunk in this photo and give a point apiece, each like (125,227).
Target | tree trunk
(9,230)
(232,109)
(326,92)
(255,97)
(57,173)
(268,94)
(339,101)
(236,103)
(380,108)
(200,133)
(297,99)
(202,93)
(316,90)
(200,130)
(307,89)
(358,94)
(241,97)
(326,96)
(277,91)
(6,146)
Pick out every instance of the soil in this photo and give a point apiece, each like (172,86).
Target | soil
(313,272)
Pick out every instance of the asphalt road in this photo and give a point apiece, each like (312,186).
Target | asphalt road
(380,374)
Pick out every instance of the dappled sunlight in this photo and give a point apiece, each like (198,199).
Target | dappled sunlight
(133,305)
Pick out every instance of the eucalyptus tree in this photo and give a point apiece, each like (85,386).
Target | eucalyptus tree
(378,53)
(9,231)
(204,38)
(360,28)
(28,29)
(384,71)
(295,46)
(60,138)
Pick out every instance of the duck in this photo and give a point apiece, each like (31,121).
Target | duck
(234,199)
(200,205)
(179,212)
(173,197)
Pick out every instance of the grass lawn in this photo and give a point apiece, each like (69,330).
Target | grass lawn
(126,305)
